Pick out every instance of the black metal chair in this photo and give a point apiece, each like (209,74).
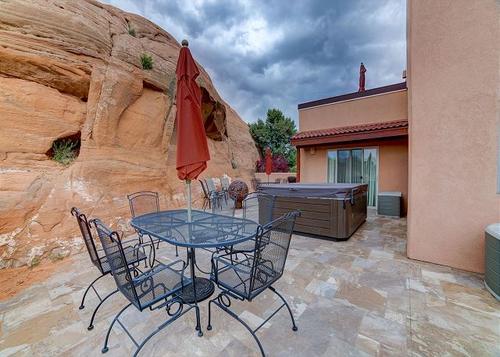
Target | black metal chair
(207,202)
(144,202)
(99,259)
(215,196)
(224,182)
(258,207)
(155,289)
(245,279)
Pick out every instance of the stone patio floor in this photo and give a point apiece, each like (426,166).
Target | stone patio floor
(361,297)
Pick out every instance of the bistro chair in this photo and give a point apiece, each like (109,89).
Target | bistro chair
(144,202)
(215,195)
(245,279)
(224,182)
(134,254)
(258,207)
(156,289)
(207,202)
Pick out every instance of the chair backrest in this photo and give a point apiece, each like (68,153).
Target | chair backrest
(271,250)
(224,181)
(117,261)
(143,202)
(210,185)
(204,188)
(87,237)
(259,207)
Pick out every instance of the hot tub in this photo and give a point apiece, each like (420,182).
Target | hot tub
(328,210)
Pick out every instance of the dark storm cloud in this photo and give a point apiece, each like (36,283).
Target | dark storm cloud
(279,53)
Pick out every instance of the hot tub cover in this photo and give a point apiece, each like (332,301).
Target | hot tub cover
(314,190)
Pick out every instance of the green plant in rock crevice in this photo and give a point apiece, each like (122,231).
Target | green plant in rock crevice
(64,151)
(146,61)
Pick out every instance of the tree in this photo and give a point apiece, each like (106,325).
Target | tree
(275,132)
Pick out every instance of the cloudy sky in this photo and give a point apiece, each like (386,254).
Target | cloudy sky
(279,53)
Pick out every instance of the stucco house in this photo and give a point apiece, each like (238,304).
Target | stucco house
(433,137)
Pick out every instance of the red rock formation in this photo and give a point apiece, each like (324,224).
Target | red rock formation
(70,68)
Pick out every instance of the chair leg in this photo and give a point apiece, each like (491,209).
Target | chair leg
(82,306)
(294,326)
(91,324)
(233,315)
(105,348)
(209,325)
(176,251)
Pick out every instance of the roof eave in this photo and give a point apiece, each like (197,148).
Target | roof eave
(340,138)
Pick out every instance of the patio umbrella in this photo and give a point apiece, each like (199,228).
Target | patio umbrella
(269,163)
(192,147)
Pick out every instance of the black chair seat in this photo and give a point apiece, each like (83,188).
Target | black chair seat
(132,255)
(236,276)
(160,282)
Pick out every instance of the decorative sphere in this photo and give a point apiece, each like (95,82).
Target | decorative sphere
(238,190)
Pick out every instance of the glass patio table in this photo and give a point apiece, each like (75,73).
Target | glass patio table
(206,230)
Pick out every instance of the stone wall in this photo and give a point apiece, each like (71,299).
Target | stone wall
(72,69)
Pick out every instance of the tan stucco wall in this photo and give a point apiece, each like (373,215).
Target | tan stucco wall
(393,168)
(453,78)
(393,164)
(313,165)
(373,109)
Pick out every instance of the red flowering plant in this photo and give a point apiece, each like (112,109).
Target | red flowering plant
(280,164)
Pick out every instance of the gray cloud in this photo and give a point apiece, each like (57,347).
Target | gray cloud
(279,53)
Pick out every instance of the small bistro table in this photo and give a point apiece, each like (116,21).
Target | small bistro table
(206,230)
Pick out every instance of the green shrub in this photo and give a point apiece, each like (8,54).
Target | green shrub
(146,61)
(64,151)
(131,31)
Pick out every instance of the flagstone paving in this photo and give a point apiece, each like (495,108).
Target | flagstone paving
(361,297)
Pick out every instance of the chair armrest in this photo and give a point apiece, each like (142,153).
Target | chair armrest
(228,263)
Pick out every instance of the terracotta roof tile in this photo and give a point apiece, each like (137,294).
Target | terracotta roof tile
(354,129)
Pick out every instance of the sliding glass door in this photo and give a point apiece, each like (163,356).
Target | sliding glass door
(370,174)
(354,166)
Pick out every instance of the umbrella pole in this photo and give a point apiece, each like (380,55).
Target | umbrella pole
(188,182)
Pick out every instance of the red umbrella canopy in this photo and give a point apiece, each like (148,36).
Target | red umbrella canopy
(192,147)
(269,161)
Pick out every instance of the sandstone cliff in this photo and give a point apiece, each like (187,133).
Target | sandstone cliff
(72,69)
